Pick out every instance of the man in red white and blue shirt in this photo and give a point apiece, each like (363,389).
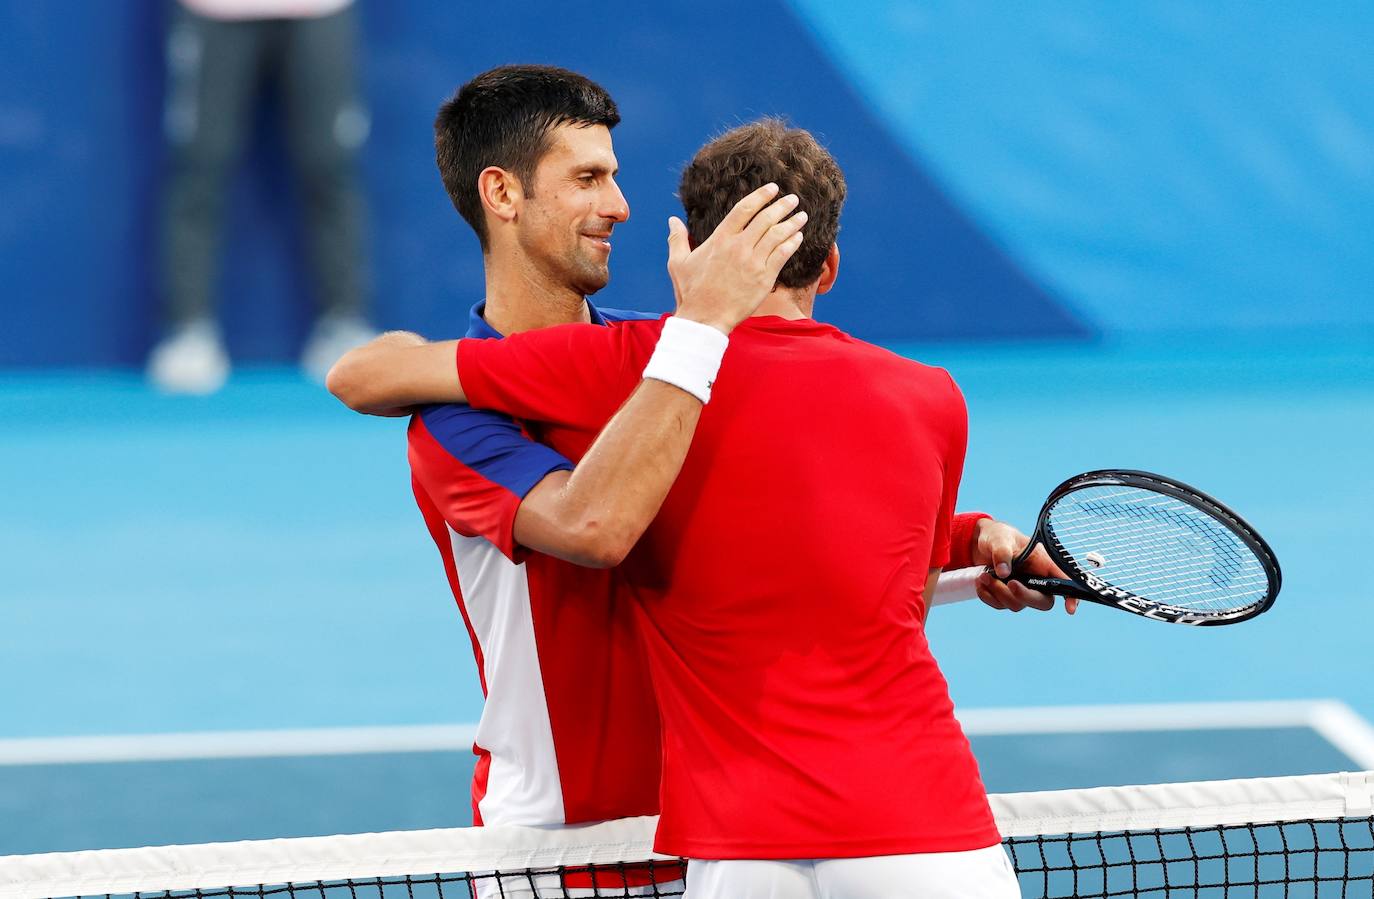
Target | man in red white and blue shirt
(569,731)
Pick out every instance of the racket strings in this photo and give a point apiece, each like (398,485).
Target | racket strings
(1164,572)
(1188,582)
(1227,561)
(1157,547)
(1173,586)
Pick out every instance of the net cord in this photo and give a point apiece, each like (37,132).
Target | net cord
(397,854)
(301,859)
(1262,800)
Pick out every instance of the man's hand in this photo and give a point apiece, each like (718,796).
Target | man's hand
(995,545)
(723,281)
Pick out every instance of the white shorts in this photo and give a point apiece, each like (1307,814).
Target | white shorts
(976,874)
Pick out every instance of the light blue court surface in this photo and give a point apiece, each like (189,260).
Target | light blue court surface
(254,561)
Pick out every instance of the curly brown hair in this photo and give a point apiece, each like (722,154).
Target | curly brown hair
(745,158)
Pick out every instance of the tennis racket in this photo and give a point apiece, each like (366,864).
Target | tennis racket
(1149,545)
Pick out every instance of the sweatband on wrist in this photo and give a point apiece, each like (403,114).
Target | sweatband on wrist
(688,356)
(961,533)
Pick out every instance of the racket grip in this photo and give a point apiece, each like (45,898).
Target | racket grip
(1054,586)
(956,586)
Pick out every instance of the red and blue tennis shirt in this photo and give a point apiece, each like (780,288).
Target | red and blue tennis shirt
(569,732)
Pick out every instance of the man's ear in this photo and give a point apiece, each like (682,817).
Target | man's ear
(500,193)
(830,270)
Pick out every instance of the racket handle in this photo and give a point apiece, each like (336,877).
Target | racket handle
(956,586)
(1054,586)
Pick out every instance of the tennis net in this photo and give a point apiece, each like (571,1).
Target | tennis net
(1310,836)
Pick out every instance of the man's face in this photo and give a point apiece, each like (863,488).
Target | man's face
(565,228)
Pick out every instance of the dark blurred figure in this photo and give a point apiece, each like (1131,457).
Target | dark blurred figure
(220,56)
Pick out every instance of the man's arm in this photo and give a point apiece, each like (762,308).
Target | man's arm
(400,370)
(932,582)
(594,515)
(394,373)
(475,468)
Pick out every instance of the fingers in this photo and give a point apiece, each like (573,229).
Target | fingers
(984,588)
(745,210)
(1002,549)
(1031,599)
(788,236)
(1040,564)
(679,247)
(997,594)
(997,544)
(771,214)
(1011,595)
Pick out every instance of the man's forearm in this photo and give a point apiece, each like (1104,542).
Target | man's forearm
(594,515)
(394,372)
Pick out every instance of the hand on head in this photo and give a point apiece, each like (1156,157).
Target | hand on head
(723,281)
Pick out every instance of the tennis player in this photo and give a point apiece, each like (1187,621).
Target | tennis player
(945,820)
(569,731)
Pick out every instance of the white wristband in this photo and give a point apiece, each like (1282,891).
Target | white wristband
(688,356)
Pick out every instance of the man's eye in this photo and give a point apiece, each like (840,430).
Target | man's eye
(587,179)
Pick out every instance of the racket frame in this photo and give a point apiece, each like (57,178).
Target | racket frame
(1086,586)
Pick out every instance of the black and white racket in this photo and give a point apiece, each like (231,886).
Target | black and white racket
(1150,545)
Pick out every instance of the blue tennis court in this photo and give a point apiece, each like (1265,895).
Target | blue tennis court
(253,563)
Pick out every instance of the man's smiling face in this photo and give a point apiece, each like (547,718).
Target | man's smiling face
(566,221)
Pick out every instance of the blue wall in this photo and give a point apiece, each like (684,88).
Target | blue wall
(1166,165)
(80,153)
(1056,170)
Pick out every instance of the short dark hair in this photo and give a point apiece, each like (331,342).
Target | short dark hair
(503,117)
(744,159)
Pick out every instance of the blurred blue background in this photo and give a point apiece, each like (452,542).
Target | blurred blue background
(1137,234)
(1053,169)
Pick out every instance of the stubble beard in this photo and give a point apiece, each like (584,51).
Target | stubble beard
(588,275)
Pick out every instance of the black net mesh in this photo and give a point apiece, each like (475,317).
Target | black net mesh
(1292,859)
(1312,837)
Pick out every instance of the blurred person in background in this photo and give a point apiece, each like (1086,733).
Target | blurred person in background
(220,54)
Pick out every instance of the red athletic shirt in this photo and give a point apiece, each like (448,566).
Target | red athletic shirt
(569,731)
(778,593)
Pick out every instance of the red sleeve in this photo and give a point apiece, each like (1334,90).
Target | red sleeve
(961,539)
(474,468)
(572,375)
(956,429)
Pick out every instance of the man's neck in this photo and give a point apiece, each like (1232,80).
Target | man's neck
(520,298)
(790,303)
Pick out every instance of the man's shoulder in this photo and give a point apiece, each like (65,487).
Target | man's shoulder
(882,355)
(621,316)
(455,425)
(921,377)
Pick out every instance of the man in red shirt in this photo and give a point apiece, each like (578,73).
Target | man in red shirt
(569,730)
(781,598)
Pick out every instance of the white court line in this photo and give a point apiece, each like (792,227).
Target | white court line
(1333,720)
(1164,716)
(236,744)
(1346,730)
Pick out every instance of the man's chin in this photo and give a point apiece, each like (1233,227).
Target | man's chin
(593,279)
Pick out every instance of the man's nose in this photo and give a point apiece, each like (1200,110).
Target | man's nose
(616,208)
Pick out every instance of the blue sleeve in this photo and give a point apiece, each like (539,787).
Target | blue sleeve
(475,468)
(492,446)
(628,315)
